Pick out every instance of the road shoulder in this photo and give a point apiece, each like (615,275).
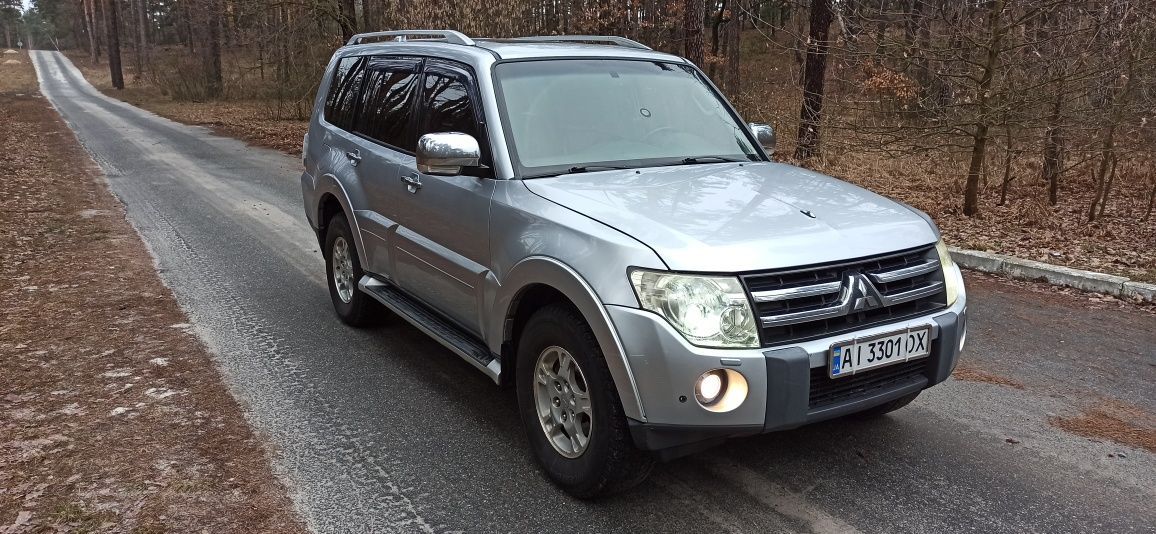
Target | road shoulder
(113,416)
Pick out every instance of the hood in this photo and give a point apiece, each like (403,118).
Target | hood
(732,217)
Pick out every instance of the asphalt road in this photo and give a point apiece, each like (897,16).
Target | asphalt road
(385,431)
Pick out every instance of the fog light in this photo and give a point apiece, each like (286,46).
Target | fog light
(720,390)
(710,385)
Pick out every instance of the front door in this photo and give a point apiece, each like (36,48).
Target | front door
(442,244)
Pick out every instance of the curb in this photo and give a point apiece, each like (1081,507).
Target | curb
(1013,267)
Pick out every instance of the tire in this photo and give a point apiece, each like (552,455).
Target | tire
(609,462)
(353,307)
(886,408)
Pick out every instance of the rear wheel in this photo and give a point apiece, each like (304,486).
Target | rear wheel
(343,269)
(571,410)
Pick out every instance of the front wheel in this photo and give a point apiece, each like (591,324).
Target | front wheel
(571,410)
(343,269)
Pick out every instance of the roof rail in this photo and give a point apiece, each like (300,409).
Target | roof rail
(605,39)
(449,36)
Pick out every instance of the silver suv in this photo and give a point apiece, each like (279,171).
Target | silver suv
(590,222)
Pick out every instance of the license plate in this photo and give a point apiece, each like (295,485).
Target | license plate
(858,355)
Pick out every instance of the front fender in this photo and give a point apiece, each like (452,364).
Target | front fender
(555,274)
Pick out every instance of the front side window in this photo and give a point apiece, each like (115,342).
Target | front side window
(563,114)
(390,89)
(341,103)
(446,106)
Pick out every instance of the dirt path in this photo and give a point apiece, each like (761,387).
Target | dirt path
(113,417)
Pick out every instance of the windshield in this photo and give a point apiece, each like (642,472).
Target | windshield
(574,115)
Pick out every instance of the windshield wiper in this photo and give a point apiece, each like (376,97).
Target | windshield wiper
(578,169)
(704,159)
(588,168)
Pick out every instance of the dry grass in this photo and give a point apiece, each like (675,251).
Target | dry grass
(971,374)
(1114,421)
(112,415)
(17,74)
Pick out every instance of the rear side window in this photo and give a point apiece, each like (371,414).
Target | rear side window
(387,107)
(341,104)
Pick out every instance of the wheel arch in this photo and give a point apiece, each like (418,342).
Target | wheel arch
(327,207)
(332,198)
(538,281)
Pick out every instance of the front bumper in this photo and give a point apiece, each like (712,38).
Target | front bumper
(665,367)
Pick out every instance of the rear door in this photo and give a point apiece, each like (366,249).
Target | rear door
(344,148)
(385,126)
(442,246)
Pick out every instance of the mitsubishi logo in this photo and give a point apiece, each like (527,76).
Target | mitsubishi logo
(864,296)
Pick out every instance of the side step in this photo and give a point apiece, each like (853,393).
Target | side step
(446,333)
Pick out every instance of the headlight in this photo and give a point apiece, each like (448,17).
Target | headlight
(952,280)
(710,311)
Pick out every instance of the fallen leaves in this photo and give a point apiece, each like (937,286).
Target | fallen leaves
(971,374)
(1114,421)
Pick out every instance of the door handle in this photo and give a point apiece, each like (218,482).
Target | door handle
(412,182)
(354,157)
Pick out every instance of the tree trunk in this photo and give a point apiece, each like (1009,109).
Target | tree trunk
(347,19)
(112,29)
(1108,185)
(814,78)
(692,35)
(212,52)
(1054,150)
(90,20)
(1007,163)
(1100,175)
(715,42)
(734,41)
(134,8)
(371,15)
(187,23)
(983,103)
(1108,150)
(142,32)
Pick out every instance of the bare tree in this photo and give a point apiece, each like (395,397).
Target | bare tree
(141,35)
(983,104)
(90,22)
(695,12)
(112,27)
(814,78)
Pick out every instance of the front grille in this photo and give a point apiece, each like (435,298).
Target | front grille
(825,300)
(826,391)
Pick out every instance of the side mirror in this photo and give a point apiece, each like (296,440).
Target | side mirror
(765,136)
(445,154)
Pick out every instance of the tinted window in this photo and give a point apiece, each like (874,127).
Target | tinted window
(390,89)
(446,105)
(340,105)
